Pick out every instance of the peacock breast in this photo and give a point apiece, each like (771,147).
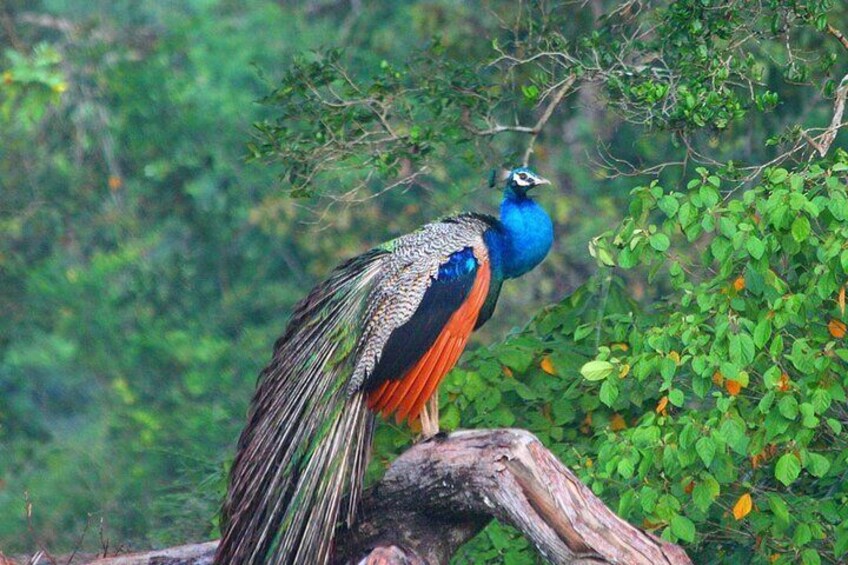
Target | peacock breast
(527,236)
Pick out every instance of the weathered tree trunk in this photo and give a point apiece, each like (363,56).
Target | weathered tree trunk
(441,492)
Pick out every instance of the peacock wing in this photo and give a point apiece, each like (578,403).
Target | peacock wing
(422,312)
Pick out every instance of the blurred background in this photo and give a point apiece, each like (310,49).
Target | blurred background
(149,258)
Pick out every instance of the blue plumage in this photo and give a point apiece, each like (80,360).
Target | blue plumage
(458,264)
(526,237)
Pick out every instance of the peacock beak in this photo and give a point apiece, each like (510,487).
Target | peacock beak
(540,180)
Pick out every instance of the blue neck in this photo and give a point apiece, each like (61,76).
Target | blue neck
(526,235)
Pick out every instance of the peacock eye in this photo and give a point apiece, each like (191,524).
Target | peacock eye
(522,176)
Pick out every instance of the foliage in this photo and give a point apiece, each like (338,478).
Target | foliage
(30,85)
(716,418)
(685,67)
(140,291)
(145,269)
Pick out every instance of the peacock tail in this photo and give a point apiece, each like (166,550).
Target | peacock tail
(306,441)
(377,336)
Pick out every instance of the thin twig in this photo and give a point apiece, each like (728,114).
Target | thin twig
(80,540)
(838,35)
(546,115)
(28,511)
(826,139)
(104,542)
(497,128)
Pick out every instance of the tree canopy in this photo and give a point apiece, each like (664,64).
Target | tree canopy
(174,178)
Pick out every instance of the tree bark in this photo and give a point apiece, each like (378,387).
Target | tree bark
(442,492)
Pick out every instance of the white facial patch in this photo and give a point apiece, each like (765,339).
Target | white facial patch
(525,179)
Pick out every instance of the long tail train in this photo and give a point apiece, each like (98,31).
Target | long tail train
(307,440)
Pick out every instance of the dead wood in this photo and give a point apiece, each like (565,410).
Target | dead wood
(442,492)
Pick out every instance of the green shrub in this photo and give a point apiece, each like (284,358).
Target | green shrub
(717,418)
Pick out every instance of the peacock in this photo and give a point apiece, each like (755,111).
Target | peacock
(376,337)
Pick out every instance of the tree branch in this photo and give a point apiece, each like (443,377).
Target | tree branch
(447,489)
(829,135)
(563,89)
(560,90)
(838,35)
(442,492)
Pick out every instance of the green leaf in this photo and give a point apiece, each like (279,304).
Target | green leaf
(683,528)
(626,503)
(667,368)
(667,507)
(762,332)
(787,469)
(741,349)
(705,493)
(840,543)
(516,358)
(771,377)
(802,535)
(659,241)
(608,392)
(800,228)
(810,557)
(530,92)
(450,417)
(473,386)
(765,403)
(779,509)
(788,407)
(777,176)
(625,468)
(676,397)
(669,205)
(817,465)
(733,433)
(755,247)
(776,347)
(596,370)
(648,498)
(702,497)
(821,400)
(646,436)
(706,449)
(808,415)
(709,195)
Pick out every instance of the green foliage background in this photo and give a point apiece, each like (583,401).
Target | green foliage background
(684,347)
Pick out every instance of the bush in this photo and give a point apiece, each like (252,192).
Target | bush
(717,418)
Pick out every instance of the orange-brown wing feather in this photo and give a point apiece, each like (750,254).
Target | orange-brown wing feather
(389,396)
(456,347)
(377,399)
(383,397)
(414,379)
(394,391)
(408,395)
(429,372)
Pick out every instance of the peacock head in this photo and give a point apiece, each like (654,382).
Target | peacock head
(520,180)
